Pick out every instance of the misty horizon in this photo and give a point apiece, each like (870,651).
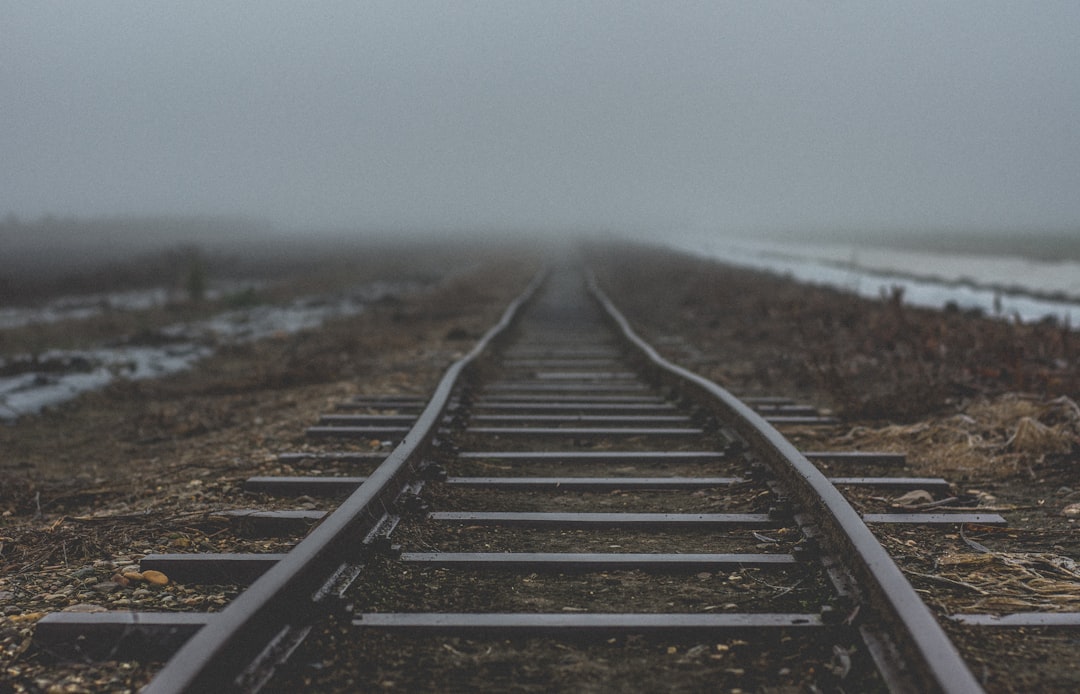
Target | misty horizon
(591,117)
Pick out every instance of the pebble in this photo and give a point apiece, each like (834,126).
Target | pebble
(155,577)
(6,595)
(1071,511)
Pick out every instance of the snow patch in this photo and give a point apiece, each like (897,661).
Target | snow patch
(1010,288)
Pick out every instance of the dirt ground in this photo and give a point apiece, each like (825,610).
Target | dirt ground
(988,405)
(90,487)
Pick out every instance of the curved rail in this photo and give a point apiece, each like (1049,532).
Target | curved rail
(930,661)
(218,656)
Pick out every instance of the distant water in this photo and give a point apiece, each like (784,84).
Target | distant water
(1005,287)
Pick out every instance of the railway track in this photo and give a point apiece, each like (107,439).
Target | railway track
(561,454)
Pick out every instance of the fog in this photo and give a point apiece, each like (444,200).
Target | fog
(636,117)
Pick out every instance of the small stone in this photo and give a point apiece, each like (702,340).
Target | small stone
(132,575)
(141,593)
(6,595)
(119,580)
(1071,511)
(27,617)
(155,577)
(106,587)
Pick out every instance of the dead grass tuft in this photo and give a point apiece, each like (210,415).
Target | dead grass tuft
(991,438)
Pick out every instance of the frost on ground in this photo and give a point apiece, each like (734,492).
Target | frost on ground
(46,379)
(1004,287)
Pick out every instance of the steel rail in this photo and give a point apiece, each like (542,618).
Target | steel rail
(930,661)
(281,599)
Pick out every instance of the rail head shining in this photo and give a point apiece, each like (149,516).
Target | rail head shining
(931,661)
(215,658)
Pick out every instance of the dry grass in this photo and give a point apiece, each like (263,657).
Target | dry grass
(992,438)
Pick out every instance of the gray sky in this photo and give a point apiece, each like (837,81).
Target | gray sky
(533,115)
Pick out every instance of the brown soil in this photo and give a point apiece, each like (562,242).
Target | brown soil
(869,360)
(87,489)
(988,405)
